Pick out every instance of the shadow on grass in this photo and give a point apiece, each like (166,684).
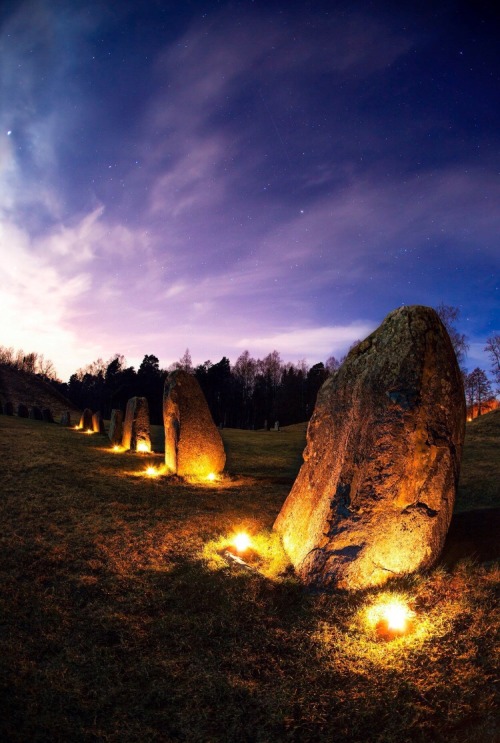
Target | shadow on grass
(473,535)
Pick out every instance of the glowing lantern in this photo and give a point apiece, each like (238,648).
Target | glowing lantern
(116,448)
(391,617)
(241,541)
(88,431)
(143,446)
(152,471)
(211,477)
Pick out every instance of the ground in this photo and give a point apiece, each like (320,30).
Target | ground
(122,620)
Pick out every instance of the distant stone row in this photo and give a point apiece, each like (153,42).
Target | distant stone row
(193,445)
(23,411)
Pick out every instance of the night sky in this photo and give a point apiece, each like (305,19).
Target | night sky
(223,176)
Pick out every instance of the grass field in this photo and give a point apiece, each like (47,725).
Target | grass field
(121,622)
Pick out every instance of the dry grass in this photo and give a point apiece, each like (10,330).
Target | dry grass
(122,622)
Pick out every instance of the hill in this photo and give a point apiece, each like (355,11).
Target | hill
(20,387)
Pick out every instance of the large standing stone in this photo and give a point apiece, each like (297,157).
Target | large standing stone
(22,410)
(98,423)
(8,408)
(375,494)
(136,429)
(116,427)
(47,415)
(193,445)
(86,420)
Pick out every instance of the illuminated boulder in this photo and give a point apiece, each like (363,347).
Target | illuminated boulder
(86,420)
(22,410)
(375,494)
(136,429)
(193,444)
(115,432)
(98,423)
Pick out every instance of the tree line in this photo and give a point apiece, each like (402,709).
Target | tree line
(251,393)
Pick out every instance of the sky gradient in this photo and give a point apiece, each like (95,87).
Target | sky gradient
(223,176)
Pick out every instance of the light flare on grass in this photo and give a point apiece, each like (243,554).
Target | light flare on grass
(89,431)
(241,542)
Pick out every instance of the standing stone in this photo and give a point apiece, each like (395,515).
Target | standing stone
(276,425)
(86,420)
(47,415)
(8,408)
(136,430)
(98,423)
(375,494)
(35,413)
(22,410)
(193,445)
(65,419)
(116,427)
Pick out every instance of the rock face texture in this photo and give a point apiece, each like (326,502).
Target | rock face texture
(86,420)
(115,432)
(136,429)
(98,423)
(193,444)
(375,494)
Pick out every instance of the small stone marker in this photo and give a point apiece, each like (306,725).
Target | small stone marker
(116,427)
(98,423)
(47,415)
(65,419)
(86,420)
(8,408)
(276,425)
(35,413)
(136,429)
(22,410)
(374,497)
(193,444)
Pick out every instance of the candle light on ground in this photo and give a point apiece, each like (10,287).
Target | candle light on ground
(391,617)
(241,542)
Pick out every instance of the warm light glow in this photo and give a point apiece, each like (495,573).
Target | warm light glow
(143,446)
(152,471)
(211,477)
(89,431)
(241,541)
(396,616)
(77,428)
(391,616)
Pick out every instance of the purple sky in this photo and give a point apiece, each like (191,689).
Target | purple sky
(232,175)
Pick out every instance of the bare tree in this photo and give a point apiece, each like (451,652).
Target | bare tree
(477,391)
(449,315)
(245,370)
(185,362)
(493,349)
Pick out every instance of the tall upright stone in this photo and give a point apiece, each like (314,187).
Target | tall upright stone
(136,428)
(193,444)
(98,423)
(47,415)
(375,494)
(8,408)
(22,410)
(115,432)
(86,420)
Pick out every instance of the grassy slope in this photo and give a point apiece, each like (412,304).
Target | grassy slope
(19,387)
(116,627)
